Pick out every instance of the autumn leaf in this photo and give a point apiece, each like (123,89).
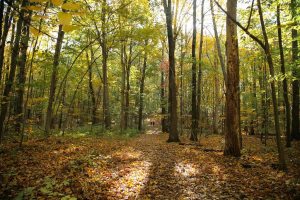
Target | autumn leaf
(64,18)
(57,2)
(70,6)
(69,28)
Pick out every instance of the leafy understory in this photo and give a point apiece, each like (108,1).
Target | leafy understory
(145,167)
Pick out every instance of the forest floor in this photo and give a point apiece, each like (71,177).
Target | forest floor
(145,167)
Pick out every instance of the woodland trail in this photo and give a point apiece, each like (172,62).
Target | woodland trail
(145,167)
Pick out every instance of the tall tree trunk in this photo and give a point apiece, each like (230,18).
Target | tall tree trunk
(194,78)
(218,44)
(285,84)
(127,90)
(232,146)
(106,109)
(91,89)
(296,74)
(10,80)
(22,72)
(162,94)
(59,41)
(142,86)
(123,87)
(199,84)
(173,135)
(273,90)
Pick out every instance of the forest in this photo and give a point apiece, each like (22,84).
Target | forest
(149,99)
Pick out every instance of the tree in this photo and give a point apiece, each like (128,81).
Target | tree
(142,86)
(59,41)
(14,61)
(284,82)
(232,126)
(296,74)
(194,78)
(173,135)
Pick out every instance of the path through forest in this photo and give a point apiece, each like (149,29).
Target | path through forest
(144,167)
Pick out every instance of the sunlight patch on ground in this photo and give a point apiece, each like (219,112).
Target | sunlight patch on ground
(185,169)
(127,153)
(131,184)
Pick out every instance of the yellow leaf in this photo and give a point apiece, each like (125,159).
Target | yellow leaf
(70,6)
(37,1)
(69,28)
(34,8)
(79,14)
(57,2)
(64,18)
(34,31)
(38,17)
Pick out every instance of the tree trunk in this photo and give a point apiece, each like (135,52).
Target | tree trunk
(232,146)
(199,84)
(106,109)
(22,72)
(173,135)
(285,84)
(142,85)
(10,80)
(91,89)
(273,90)
(123,85)
(218,44)
(296,74)
(194,79)
(4,33)
(59,41)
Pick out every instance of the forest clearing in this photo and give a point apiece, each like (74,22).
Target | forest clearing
(149,99)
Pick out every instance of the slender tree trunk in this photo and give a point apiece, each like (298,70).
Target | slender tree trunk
(285,84)
(173,135)
(232,146)
(296,74)
(273,90)
(194,79)
(91,89)
(22,72)
(123,87)
(162,94)
(106,109)
(4,33)
(142,85)
(59,41)
(218,44)
(10,80)
(199,84)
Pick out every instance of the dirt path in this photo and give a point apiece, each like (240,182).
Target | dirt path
(145,167)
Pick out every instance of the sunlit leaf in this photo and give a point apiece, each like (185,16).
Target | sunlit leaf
(69,28)
(37,1)
(57,2)
(64,18)
(34,8)
(34,31)
(70,6)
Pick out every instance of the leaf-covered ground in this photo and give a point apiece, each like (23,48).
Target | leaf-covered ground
(145,167)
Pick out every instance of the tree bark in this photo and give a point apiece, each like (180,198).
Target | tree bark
(59,41)
(296,74)
(173,135)
(142,86)
(106,108)
(218,44)
(273,90)
(284,82)
(194,130)
(199,84)
(22,71)
(10,80)
(232,146)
